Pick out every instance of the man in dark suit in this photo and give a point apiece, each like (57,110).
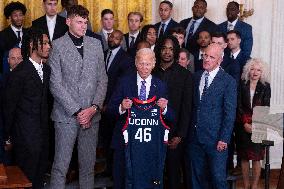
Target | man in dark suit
(12,35)
(51,23)
(107,21)
(26,111)
(118,63)
(234,41)
(196,24)
(179,82)
(234,23)
(203,40)
(165,12)
(230,65)
(131,38)
(127,88)
(214,110)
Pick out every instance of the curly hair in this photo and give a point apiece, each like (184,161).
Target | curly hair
(34,36)
(161,43)
(14,6)
(78,10)
(145,30)
(264,78)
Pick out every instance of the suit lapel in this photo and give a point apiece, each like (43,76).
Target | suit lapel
(115,61)
(134,87)
(44,24)
(196,86)
(34,74)
(153,87)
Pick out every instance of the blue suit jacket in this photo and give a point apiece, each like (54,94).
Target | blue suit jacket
(214,114)
(232,67)
(121,64)
(172,24)
(246,34)
(127,87)
(242,59)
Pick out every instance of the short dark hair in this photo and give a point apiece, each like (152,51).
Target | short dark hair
(46,0)
(14,6)
(145,30)
(203,31)
(135,13)
(235,3)
(34,36)
(64,3)
(106,11)
(168,3)
(204,1)
(78,10)
(218,35)
(186,52)
(178,30)
(238,34)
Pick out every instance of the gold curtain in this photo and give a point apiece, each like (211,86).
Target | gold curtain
(120,7)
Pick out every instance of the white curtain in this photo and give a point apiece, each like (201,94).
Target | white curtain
(268,33)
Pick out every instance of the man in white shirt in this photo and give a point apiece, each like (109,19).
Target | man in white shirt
(51,23)
(26,108)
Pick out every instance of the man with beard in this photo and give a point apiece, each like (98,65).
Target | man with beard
(203,40)
(12,35)
(117,64)
(196,24)
(26,108)
(234,23)
(179,82)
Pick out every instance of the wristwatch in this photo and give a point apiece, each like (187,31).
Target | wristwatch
(96,107)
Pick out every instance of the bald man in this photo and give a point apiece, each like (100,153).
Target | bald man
(214,108)
(14,58)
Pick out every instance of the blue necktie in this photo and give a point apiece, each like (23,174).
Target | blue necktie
(132,41)
(190,32)
(142,95)
(206,83)
(162,31)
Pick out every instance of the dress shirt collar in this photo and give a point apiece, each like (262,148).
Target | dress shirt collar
(212,73)
(139,79)
(106,33)
(16,29)
(114,51)
(233,23)
(166,22)
(134,34)
(51,19)
(200,54)
(38,66)
(236,53)
(198,20)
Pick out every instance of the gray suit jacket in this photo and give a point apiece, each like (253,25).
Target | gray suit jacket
(105,44)
(75,82)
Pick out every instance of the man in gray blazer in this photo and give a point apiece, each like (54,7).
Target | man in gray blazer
(78,83)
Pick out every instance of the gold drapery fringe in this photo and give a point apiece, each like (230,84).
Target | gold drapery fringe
(120,8)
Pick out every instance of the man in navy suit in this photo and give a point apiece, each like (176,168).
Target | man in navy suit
(165,12)
(196,24)
(127,88)
(214,109)
(233,23)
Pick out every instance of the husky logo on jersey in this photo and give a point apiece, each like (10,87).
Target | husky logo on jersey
(133,114)
(154,112)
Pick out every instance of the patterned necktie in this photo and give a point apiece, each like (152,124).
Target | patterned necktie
(142,95)
(132,41)
(162,31)
(108,60)
(206,83)
(190,32)
(230,27)
(40,72)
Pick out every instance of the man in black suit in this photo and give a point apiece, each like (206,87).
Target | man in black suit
(196,24)
(234,44)
(13,34)
(203,40)
(118,62)
(131,38)
(51,23)
(179,82)
(165,12)
(26,111)
(230,65)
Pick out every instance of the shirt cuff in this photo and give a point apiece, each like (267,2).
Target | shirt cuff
(165,110)
(120,111)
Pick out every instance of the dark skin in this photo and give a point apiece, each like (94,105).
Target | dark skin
(232,11)
(199,9)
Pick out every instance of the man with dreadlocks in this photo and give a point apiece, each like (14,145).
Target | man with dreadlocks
(26,111)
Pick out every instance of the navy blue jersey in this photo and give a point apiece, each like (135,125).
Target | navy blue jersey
(146,137)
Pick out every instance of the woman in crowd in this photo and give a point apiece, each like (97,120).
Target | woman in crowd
(254,91)
(149,34)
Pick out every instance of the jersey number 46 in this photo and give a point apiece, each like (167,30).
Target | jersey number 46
(143,135)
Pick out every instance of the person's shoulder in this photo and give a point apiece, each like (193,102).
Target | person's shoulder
(225,76)
(38,20)
(209,22)
(244,24)
(93,40)
(61,18)
(223,24)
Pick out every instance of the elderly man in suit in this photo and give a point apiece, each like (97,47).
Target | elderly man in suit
(234,23)
(196,24)
(214,109)
(26,108)
(51,23)
(134,85)
(12,35)
(165,12)
(78,83)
